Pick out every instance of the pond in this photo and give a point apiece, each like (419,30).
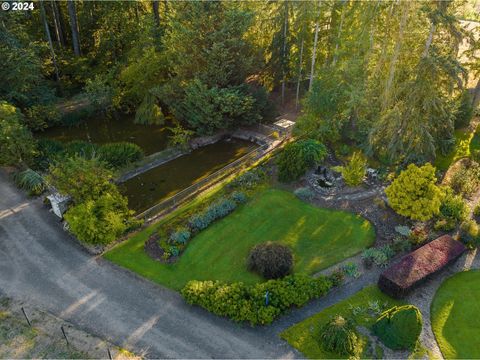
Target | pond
(101,129)
(147,189)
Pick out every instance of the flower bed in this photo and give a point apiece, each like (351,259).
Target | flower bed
(171,240)
(413,269)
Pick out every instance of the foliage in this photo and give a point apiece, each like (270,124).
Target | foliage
(80,148)
(339,336)
(466,179)
(239,197)
(39,117)
(16,141)
(464,112)
(118,155)
(399,327)
(180,236)
(83,179)
(354,172)
(377,256)
(101,220)
(270,260)
(215,211)
(30,181)
(453,208)
(418,235)
(469,232)
(304,193)
(403,230)
(98,91)
(297,157)
(414,193)
(180,136)
(351,269)
(249,179)
(241,302)
(48,151)
(149,112)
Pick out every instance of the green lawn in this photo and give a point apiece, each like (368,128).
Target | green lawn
(455,316)
(462,149)
(304,335)
(318,237)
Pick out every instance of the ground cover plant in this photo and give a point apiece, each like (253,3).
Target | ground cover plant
(454,316)
(318,238)
(362,309)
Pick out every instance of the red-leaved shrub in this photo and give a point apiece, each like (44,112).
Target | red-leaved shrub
(417,266)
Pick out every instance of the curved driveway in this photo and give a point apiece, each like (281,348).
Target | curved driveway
(42,265)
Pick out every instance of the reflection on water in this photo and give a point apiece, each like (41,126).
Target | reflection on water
(147,189)
(101,129)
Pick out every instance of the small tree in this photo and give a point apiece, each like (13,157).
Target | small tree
(298,157)
(354,172)
(339,336)
(16,141)
(82,179)
(414,193)
(180,136)
(270,260)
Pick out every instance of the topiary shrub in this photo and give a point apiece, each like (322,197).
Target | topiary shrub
(120,154)
(399,327)
(270,260)
(339,336)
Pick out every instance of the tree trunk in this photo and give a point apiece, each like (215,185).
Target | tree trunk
(299,75)
(49,38)
(156,14)
(396,53)
(284,53)
(58,24)
(74,25)
(428,43)
(342,17)
(314,52)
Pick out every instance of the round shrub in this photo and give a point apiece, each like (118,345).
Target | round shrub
(271,260)
(339,336)
(399,327)
(120,154)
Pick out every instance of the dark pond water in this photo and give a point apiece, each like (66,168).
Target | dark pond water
(101,129)
(149,188)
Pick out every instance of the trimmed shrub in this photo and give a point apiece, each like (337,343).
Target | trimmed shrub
(241,302)
(120,154)
(270,260)
(339,336)
(304,193)
(214,211)
(399,279)
(399,327)
(297,157)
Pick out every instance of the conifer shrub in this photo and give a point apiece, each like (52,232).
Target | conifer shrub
(399,327)
(354,172)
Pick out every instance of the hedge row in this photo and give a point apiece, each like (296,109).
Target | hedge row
(249,303)
(416,267)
